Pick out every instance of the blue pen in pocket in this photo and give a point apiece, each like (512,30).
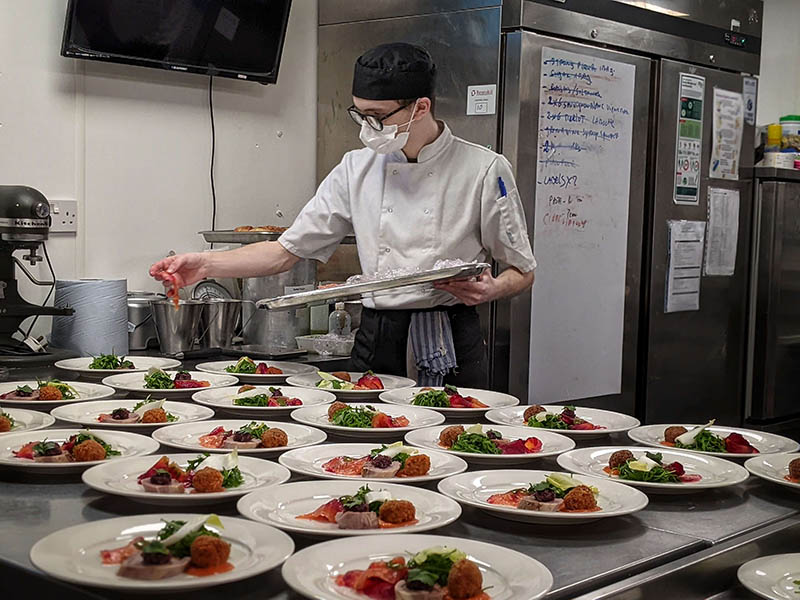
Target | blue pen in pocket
(502,185)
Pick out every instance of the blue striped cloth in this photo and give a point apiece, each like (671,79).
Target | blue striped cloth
(432,344)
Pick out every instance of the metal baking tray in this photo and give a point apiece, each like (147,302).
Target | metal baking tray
(229,236)
(360,290)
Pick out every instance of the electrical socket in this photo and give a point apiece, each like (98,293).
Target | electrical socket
(65,216)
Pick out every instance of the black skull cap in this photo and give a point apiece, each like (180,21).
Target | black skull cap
(395,71)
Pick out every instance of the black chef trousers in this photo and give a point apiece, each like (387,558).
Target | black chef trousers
(382,339)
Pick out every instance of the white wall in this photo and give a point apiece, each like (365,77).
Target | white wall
(779,80)
(132,145)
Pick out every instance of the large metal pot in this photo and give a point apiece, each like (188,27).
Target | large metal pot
(141,328)
(277,330)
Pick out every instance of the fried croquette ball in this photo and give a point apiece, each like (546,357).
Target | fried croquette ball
(580,498)
(155,415)
(794,468)
(335,408)
(619,458)
(343,375)
(397,511)
(50,392)
(5,424)
(416,465)
(246,388)
(274,438)
(532,411)
(670,433)
(465,580)
(207,481)
(209,551)
(449,435)
(88,450)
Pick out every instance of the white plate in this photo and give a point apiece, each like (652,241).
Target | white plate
(765,443)
(288,368)
(120,479)
(715,472)
(317,416)
(772,577)
(552,443)
(27,420)
(390,382)
(141,363)
(86,391)
(86,413)
(613,422)
(475,488)
(129,444)
(134,383)
(309,461)
(73,554)
(280,506)
(186,436)
(223,399)
(312,572)
(772,467)
(491,399)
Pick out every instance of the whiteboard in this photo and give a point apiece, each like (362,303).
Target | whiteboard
(580,232)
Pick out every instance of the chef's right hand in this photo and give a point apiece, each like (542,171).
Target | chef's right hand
(182,269)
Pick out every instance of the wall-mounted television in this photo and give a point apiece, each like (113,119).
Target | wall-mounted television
(242,39)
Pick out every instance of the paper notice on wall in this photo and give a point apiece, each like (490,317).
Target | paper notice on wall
(727,134)
(750,93)
(723,232)
(580,232)
(685,264)
(689,144)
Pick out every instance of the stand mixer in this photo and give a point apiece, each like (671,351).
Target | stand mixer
(24,225)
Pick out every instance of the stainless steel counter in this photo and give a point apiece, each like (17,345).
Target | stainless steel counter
(583,559)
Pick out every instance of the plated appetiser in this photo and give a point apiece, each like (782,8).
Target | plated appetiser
(274,399)
(365,509)
(539,416)
(431,574)
(134,415)
(80,447)
(334,508)
(18,419)
(248,366)
(204,474)
(543,497)
(447,397)
(415,567)
(149,410)
(557,492)
(69,450)
(256,437)
(51,391)
(363,417)
(161,552)
(341,380)
(158,379)
(248,370)
(367,420)
(726,442)
(350,385)
(111,362)
(247,437)
(476,442)
(385,462)
(180,547)
(774,577)
(196,478)
(577,422)
(783,469)
(662,471)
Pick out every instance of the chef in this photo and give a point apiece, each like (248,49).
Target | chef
(414,195)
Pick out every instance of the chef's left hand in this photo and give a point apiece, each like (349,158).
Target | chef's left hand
(482,289)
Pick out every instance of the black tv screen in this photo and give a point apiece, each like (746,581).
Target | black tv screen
(242,39)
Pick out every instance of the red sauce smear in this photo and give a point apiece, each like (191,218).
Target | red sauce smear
(610,471)
(791,479)
(668,444)
(582,510)
(385,525)
(206,571)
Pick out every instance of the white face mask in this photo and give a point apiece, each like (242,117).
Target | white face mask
(387,140)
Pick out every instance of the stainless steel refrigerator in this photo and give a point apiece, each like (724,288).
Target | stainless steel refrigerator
(595,330)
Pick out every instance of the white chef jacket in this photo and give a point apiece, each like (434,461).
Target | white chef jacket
(447,205)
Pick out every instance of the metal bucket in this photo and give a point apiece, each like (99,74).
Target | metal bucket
(219,321)
(141,329)
(177,329)
(277,330)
